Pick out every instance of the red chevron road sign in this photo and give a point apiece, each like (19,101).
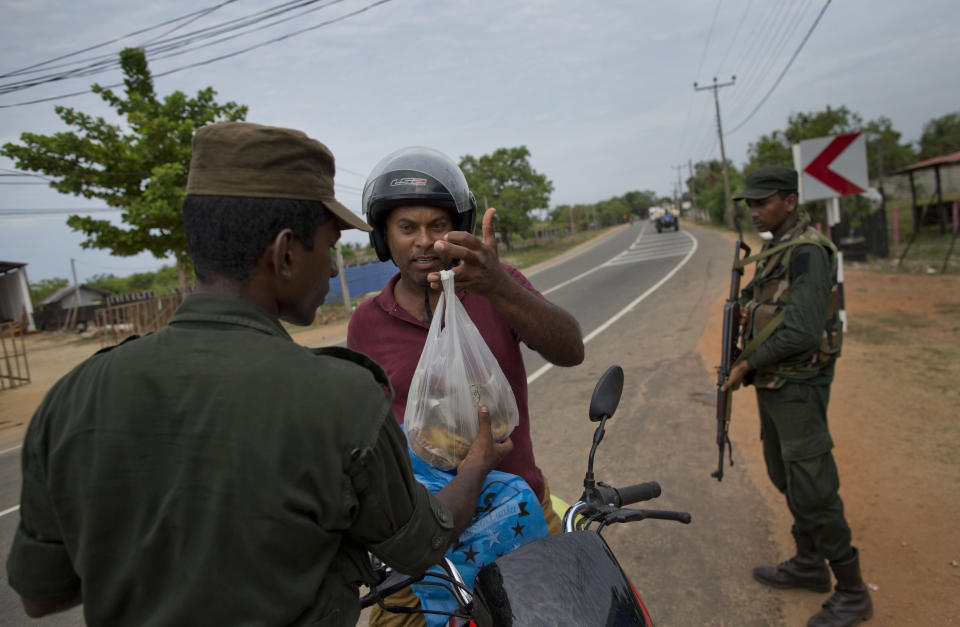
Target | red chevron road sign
(831,166)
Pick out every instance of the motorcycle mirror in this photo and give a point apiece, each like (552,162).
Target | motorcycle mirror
(606,396)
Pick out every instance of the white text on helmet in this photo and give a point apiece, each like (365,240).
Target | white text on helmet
(408,181)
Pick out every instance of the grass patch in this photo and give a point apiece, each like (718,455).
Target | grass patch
(922,349)
(529,254)
(885,327)
(929,249)
(947,309)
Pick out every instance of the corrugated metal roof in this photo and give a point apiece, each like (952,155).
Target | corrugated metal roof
(68,290)
(929,163)
(7,266)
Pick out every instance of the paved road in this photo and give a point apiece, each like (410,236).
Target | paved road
(664,430)
(642,299)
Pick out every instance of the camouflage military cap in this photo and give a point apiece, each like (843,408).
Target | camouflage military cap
(768,180)
(256,161)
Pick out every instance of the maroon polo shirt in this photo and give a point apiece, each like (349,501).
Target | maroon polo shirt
(383,330)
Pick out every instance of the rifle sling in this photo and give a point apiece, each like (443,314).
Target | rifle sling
(763,254)
(767,330)
(752,346)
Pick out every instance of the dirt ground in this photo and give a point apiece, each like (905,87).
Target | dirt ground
(895,419)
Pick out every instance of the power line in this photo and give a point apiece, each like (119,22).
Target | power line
(107,62)
(733,40)
(755,43)
(112,41)
(706,45)
(52,212)
(218,58)
(340,168)
(784,72)
(780,36)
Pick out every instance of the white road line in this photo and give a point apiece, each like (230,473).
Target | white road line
(651,248)
(592,270)
(10,450)
(637,258)
(9,510)
(603,327)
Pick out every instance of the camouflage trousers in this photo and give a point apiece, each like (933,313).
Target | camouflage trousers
(797,450)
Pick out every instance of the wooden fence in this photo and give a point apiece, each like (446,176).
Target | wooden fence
(14,368)
(117,322)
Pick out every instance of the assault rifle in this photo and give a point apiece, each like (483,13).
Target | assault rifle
(729,350)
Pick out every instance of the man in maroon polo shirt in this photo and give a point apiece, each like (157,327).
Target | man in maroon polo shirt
(422,213)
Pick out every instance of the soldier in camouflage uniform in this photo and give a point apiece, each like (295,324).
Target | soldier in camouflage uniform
(792,335)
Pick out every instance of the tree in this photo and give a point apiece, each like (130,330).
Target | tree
(507,181)
(710,195)
(776,148)
(163,281)
(885,153)
(941,136)
(140,167)
(44,287)
(640,202)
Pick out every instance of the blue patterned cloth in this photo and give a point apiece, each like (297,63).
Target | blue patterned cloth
(507,516)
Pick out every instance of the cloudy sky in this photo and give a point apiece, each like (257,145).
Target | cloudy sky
(600,92)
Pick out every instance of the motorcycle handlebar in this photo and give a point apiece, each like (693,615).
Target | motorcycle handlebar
(638,492)
(630,515)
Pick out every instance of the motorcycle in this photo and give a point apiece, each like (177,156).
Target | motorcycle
(572,578)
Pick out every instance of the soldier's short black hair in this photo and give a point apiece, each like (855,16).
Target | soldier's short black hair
(227,234)
(783,193)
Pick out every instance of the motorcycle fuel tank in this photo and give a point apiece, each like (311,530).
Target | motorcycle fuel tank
(567,579)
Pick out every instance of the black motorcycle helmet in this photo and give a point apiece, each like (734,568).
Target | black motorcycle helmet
(416,176)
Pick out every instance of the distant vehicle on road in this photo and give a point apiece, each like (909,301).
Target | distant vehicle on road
(664,219)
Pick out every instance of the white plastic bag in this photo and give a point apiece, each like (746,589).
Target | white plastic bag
(455,375)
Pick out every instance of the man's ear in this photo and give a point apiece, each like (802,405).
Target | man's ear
(793,200)
(281,254)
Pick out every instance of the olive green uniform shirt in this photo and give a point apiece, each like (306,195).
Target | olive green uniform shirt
(217,473)
(796,339)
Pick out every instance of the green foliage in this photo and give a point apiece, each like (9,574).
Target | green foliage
(772,149)
(709,193)
(605,212)
(885,153)
(45,287)
(776,148)
(941,136)
(139,167)
(507,181)
(163,281)
(640,202)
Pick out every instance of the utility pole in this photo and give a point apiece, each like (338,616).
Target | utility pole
(679,194)
(344,290)
(690,189)
(723,153)
(72,314)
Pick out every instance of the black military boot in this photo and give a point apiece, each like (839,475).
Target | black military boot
(806,569)
(850,602)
